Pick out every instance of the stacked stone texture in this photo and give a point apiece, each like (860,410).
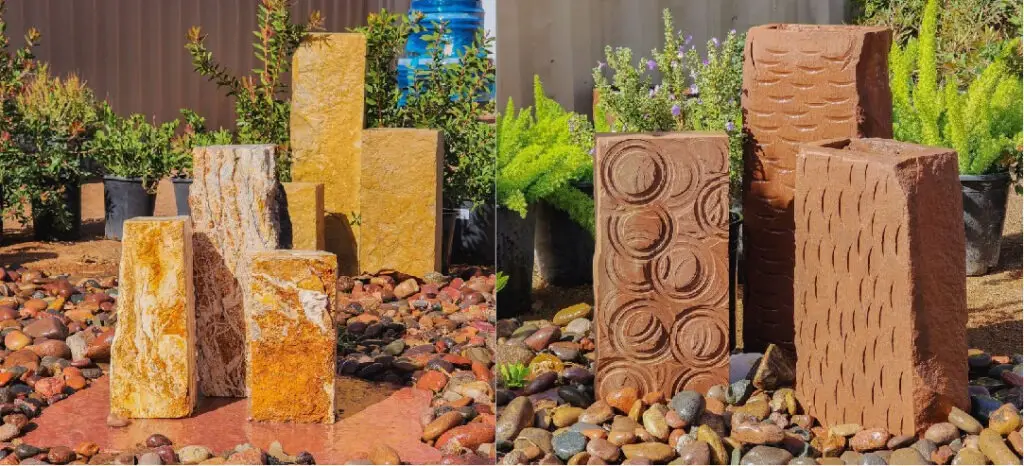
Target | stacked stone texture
(153,358)
(881,300)
(235,212)
(292,341)
(801,83)
(400,200)
(328,81)
(661,262)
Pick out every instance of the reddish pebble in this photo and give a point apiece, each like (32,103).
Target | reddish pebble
(49,386)
(87,449)
(434,381)
(469,436)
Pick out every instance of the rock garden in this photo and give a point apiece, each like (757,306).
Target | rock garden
(245,329)
(781,249)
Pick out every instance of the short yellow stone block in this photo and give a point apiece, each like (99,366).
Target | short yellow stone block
(306,212)
(291,336)
(153,356)
(328,82)
(400,200)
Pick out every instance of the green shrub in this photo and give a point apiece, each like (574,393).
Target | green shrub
(133,148)
(444,96)
(57,117)
(540,151)
(982,123)
(971,33)
(194,135)
(693,93)
(262,113)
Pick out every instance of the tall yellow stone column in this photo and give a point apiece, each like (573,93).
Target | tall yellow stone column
(291,336)
(153,356)
(328,82)
(306,213)
(400,200)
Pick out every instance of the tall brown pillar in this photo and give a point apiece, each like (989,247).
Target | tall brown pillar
(801,83)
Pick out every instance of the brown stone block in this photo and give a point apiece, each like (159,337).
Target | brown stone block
(306,213)
(881,299)
(153,357)
(400,200)
(235,211)
(661,265)
(291,336)
(328,80)
(801,83)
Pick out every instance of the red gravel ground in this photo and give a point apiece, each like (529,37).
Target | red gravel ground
(221,423)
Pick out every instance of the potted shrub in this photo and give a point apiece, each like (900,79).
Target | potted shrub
(180,159)
(983,122)
(538,153)
(445,95)
(56,119)
(695,93)
(135,156)
(15,67)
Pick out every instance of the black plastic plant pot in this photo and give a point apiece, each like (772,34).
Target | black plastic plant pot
(181,187)
(47,226)
(468,235)
(735,256)
(565,250)
(984,212)
(515,259)
(124,199)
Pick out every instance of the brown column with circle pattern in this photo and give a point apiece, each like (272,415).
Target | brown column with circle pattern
(661,268)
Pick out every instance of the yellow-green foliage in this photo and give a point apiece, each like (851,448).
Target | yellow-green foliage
(540,151)
(983,123)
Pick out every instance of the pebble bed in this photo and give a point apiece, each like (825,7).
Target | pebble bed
(554,417)
(436,333)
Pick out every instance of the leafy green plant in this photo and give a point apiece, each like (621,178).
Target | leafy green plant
(717,82)
(57,117)
(386,35)
(514,375)
(691,92)
(194,135)
(500,280)
(134,148)
(444,96)
(15,67)
(540,151)
(262,112)
(971,33)
(983,123)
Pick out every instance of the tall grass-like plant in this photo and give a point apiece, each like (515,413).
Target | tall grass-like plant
(983,123)
(261,111)
(540,152)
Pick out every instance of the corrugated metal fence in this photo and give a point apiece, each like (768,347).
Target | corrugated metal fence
(132,52)
(562,40)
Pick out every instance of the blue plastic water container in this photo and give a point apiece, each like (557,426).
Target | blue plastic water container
(464,18)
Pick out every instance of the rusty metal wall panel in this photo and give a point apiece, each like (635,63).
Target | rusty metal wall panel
(132,52)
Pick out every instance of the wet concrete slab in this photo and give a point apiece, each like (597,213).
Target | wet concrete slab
(222,423)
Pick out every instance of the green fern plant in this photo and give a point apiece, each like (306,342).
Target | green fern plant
(983,123)
(540,151)
(514,375)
